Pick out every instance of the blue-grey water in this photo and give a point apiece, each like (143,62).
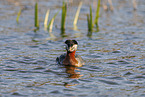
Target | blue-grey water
(114,56)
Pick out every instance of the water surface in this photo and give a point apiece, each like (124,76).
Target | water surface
(114,56)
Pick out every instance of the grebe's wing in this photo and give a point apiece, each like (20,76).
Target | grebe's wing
(60,59)
(79,59)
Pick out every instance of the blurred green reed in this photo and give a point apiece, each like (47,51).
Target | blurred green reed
(46,19)
(63,16)
(50,25)
(77,15)
(89,20)
(36,16)
(18,16)
(97,13)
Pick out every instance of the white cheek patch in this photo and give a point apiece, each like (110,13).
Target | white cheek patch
(75,47)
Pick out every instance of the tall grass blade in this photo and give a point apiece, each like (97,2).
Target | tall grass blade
(77,14)
(50,25)
(46,19)
(89,29)
(90,23)
(36,16)
(88,20)
(91,19)
(97,13)
(63,17)
(18,16)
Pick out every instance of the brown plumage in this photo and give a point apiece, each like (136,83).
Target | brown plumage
(70,58)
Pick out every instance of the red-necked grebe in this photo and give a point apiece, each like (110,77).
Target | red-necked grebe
(70,58)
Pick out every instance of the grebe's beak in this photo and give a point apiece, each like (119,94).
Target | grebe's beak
(71,48)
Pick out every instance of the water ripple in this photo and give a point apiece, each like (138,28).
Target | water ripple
(109,82)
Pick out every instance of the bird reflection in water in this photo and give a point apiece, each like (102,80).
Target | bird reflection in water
(73,74)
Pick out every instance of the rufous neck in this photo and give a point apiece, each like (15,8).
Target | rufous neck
(71,53)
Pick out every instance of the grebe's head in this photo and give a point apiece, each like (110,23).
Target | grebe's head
(71,45)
